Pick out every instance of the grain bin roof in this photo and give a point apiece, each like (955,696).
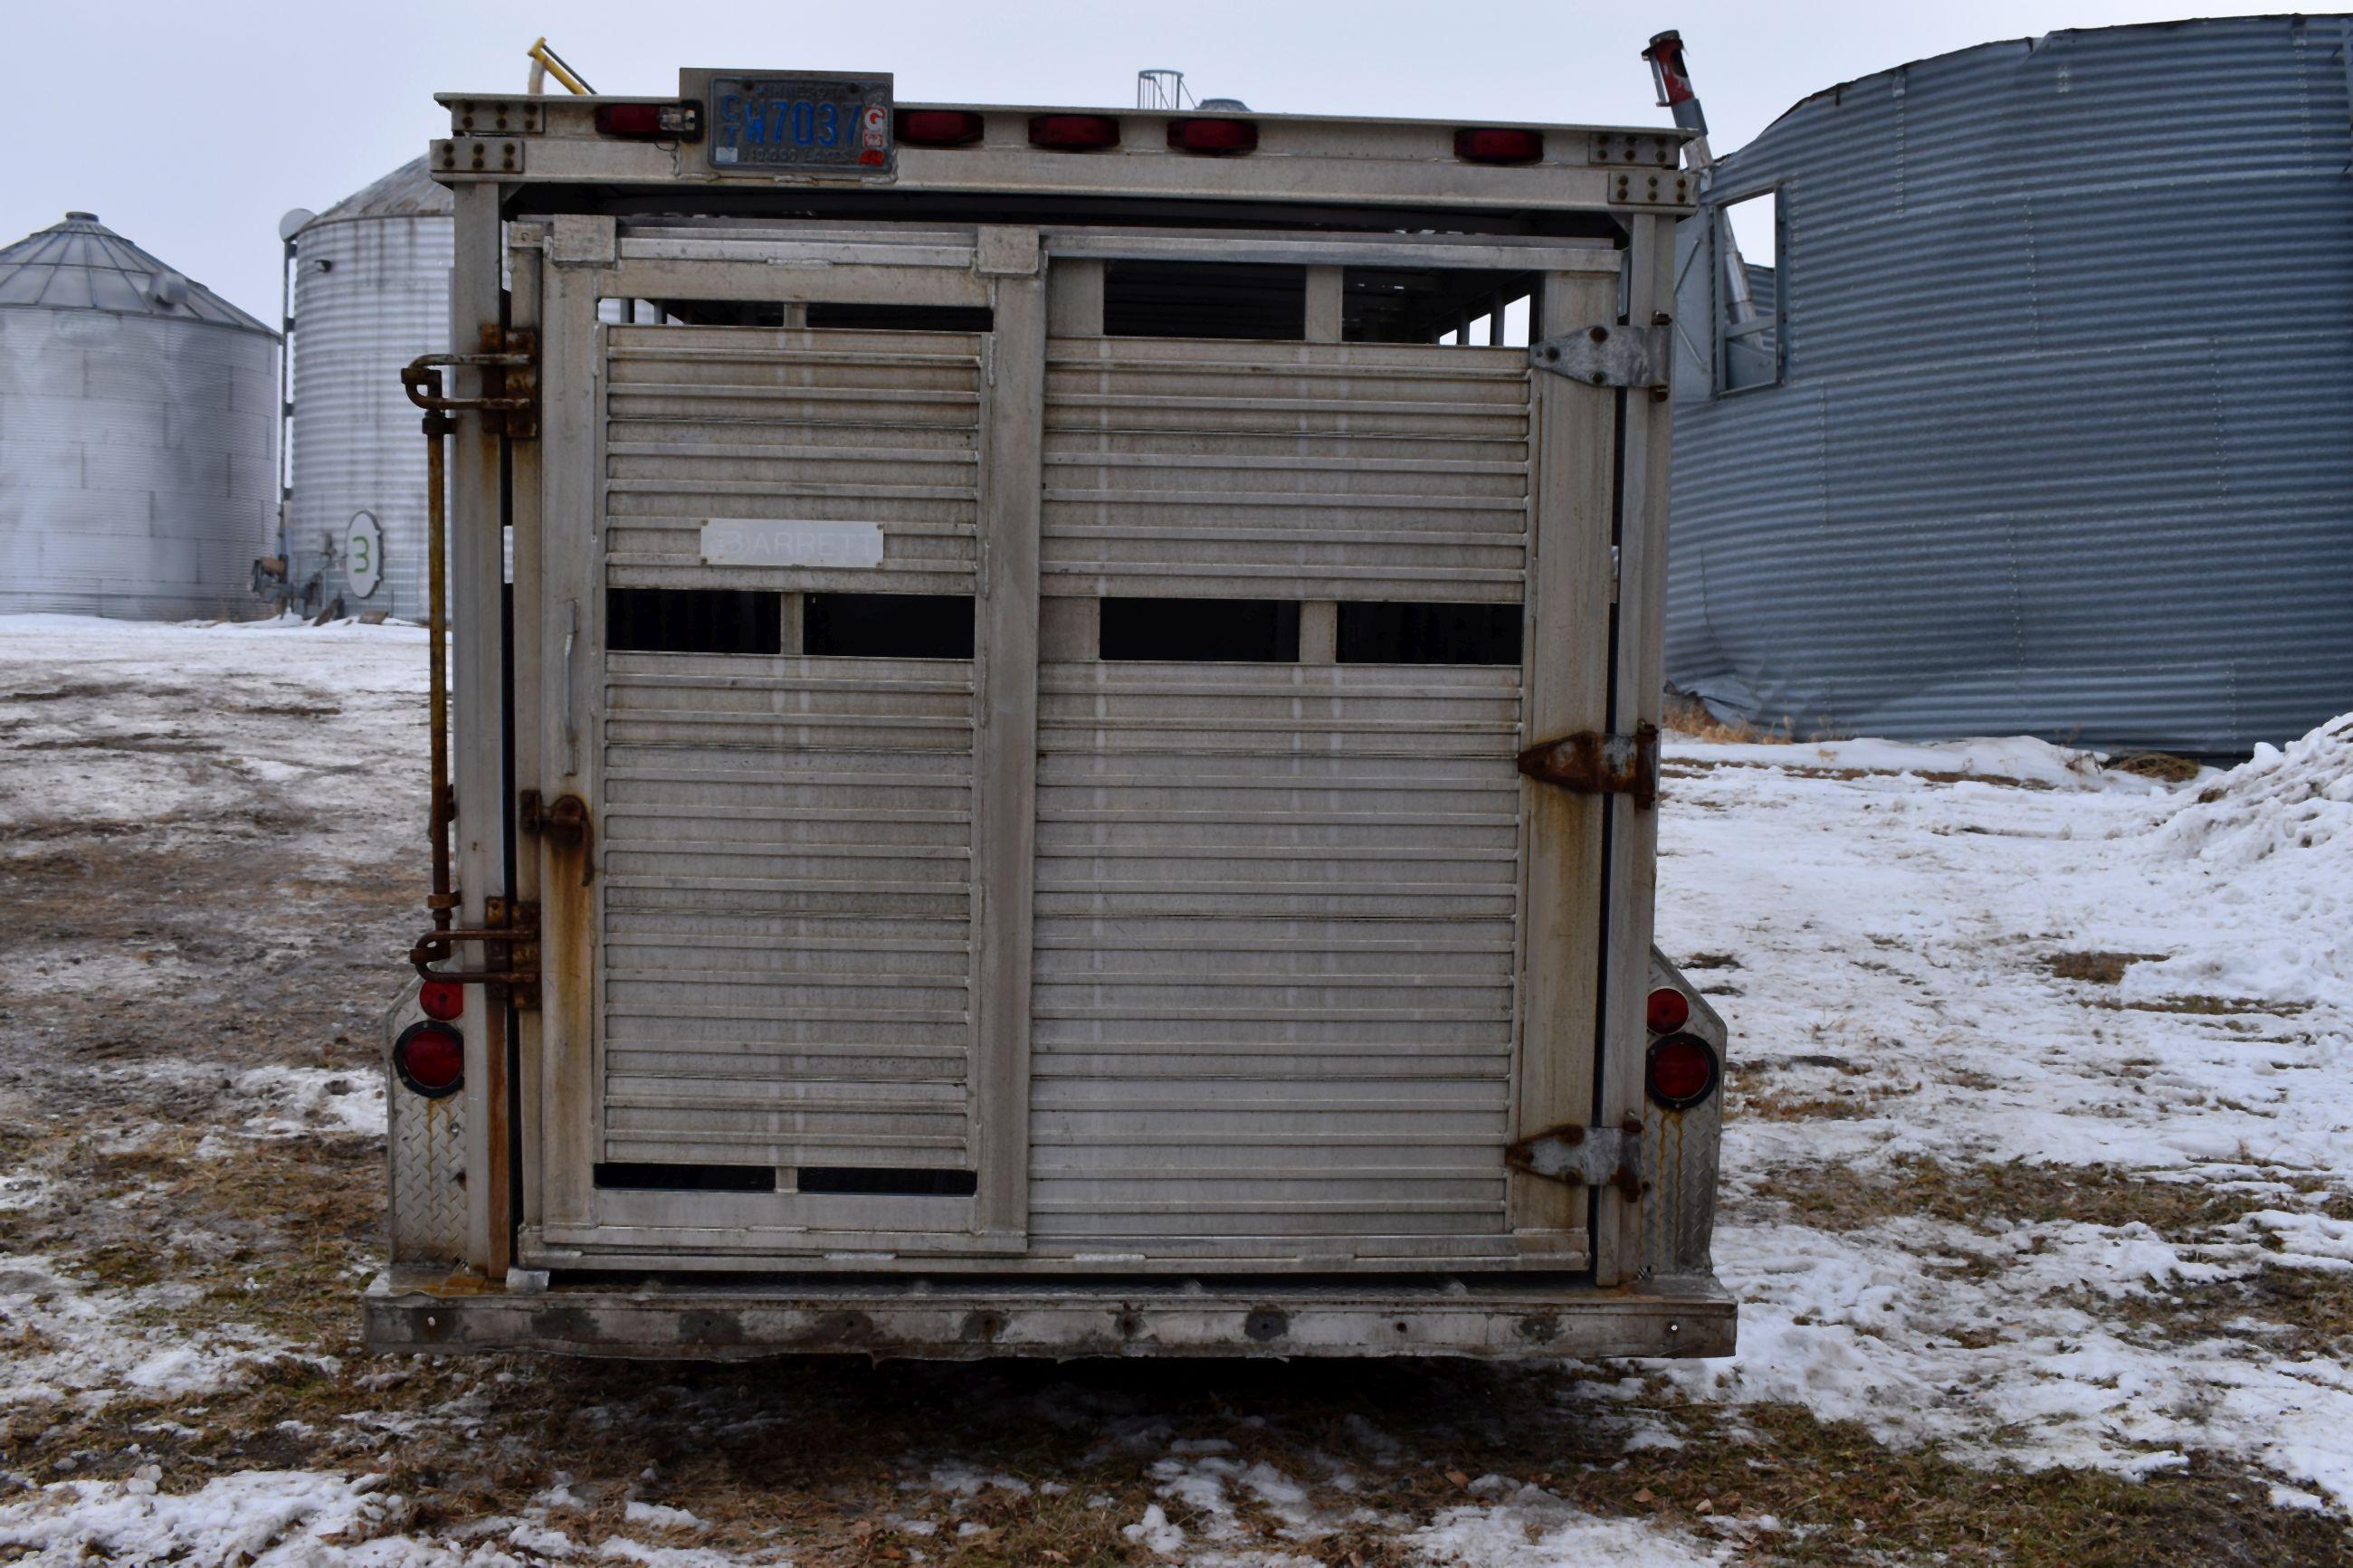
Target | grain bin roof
(406,192)
(82,265)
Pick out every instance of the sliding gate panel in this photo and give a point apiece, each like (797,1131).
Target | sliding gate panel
(1277,933)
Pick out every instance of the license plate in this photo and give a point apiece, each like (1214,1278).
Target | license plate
(762,124)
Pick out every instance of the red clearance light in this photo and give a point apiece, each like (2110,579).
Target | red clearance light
(1489,144)
(651,121)
(1669,1010)
(1213,138)
(1681,1071)
(1074,132)
(431,1059)
(938,128)
(442,999)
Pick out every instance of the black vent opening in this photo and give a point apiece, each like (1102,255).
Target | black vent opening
(657,1178)
(1430,633)
(887,625)
(894,1181)
(1200,631)
(694,620)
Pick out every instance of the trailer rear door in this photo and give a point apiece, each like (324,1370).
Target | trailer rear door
(923,916)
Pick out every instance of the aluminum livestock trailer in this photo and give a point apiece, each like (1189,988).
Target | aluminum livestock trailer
(1068,765)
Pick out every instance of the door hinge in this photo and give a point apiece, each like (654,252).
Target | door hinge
(1593,764)
(1607,354)
(1585,1156)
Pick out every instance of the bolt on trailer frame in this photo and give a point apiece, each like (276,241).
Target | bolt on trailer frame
(1058,774)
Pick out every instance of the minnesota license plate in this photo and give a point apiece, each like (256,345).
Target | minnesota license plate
(787,125)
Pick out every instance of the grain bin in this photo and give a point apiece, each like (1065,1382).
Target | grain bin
(2060,438)
(138,433)
(370,292)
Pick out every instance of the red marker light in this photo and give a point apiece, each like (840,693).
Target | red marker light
(650,122)
(939,128)
(430,1060)
(1213,138)
(1669,1010)
(1681,1071)
(1491,144)
(1074,132)
(441,999)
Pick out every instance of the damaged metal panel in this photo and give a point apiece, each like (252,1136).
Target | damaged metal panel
(2066,438)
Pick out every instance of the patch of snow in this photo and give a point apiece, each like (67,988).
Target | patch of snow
(1535,1529)
(659,1517)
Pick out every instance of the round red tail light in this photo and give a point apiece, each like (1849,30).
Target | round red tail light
(1497,144)
(431,1059)
(1214,138)
(442,999)
(1681,1071)
(1669,1010)
(939,127)
(1074,132)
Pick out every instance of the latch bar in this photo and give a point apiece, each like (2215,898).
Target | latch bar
(1593,764)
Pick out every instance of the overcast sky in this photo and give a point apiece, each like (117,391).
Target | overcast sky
(190,129)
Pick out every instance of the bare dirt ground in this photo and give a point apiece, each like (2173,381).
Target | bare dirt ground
(211,860)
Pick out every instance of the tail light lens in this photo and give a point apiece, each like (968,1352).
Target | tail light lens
(939,128)
(650,122)
(1669,1010)
(1213,138)
(430,1060)
(1495,144)
(441,999)
(1074,132)
(1681,1071)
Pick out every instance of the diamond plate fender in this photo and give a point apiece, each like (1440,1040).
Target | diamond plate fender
(425,1158)
(1682,1150)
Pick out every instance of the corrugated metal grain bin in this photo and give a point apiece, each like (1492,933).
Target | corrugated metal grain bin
(1081,784)
(2061,435)
(138,433)
(370,292)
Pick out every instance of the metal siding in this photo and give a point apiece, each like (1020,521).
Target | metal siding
(134,481)
(371,293)
(2066,442)
(787,840)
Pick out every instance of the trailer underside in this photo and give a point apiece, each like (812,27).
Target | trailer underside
(414,1308)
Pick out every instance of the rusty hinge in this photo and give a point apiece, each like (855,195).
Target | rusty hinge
(1585,1156)
(1608,355)
(564,822)
(1593,764)
(510,933)
(509,362)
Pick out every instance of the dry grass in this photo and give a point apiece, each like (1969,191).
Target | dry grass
(2163,766)
(2095,968)
(1988,1197)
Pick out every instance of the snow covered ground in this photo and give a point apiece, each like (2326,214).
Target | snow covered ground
(2039,1164)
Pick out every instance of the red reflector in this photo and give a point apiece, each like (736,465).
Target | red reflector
(1216,138)
(442,999)
(431,1059)
(1074,132)
(1681,1071)
(938,128)
(650,122)
(1488,144)
(1669,1010)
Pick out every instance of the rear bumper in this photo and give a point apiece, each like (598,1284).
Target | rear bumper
(1521,1319)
